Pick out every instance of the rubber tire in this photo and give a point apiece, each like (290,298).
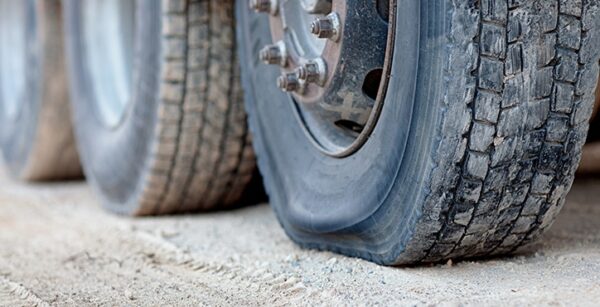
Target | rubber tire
(183,144)
(465,160)
(37,142)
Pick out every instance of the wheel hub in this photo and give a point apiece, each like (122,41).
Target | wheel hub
(331,56)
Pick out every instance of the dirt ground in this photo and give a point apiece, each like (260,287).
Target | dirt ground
(58,247)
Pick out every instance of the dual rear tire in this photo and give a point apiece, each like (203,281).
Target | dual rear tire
(157,107)
(167,132)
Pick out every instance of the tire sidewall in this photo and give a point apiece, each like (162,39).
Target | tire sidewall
(17,132)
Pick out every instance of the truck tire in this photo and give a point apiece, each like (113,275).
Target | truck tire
(159,118)
(35,128)
(474,147)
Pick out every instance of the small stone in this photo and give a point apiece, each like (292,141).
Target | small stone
(129,294)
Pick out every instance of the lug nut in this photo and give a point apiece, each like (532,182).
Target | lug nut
(288,82)
(311,72)
(326,27)
(263,6)
(273,54)
(322,27)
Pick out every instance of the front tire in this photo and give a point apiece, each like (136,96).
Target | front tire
(475,147)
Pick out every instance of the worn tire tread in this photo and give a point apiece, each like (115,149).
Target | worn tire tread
(523,127)
(202,158)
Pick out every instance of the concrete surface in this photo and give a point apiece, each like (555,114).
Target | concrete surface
(58,247)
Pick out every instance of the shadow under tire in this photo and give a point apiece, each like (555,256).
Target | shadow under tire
(476,146)
(178,141)
(36,134)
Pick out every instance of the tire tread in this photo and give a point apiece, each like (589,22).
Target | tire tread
(523,144)
(202,157)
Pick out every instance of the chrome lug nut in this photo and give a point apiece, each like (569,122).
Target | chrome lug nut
(327,27)
(288,82)
(264,6)
(313,71)
(274,54)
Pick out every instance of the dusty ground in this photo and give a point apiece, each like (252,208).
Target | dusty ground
(58,247)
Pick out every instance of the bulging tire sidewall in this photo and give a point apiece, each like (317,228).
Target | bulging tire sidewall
(366,204)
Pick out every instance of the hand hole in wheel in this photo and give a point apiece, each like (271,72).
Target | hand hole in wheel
(351,126)
(383,8)
(371,83)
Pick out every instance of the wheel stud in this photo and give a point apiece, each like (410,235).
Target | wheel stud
(273,54)
(288,82)
(263,6)
(326,27)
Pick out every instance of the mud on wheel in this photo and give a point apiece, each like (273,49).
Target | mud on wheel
(418,131)
(158,113)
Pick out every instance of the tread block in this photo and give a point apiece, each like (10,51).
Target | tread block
(562,98)
(569,32)
(491,74)
(493,41)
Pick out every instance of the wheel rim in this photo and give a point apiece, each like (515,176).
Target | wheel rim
(332,55)
(108,29)
(13,56)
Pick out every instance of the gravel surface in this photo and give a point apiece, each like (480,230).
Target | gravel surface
(58,247)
